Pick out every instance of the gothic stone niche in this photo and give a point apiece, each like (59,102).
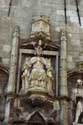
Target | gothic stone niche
(41,27)
(37,80)
(76,79)
(37,75)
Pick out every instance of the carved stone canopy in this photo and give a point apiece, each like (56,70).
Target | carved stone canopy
(40,32)
(41,27)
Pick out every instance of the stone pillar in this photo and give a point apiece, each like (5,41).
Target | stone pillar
(63,79)
(13,61)
(12,73)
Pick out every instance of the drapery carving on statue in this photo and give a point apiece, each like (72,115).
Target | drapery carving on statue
(37,74)
(79,110)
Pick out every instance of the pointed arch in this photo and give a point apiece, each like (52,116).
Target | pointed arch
(36,118)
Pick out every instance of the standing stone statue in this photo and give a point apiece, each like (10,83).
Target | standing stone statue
(50,78)
(25,76)
(79,110)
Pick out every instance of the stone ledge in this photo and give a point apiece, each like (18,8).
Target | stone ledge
(77,124)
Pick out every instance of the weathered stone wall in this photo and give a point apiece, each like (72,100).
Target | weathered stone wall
(23,12)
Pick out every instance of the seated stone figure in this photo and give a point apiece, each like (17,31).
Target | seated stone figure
(38,75)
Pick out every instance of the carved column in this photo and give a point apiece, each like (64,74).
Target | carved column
(13,61)
(12,73)
(63,79)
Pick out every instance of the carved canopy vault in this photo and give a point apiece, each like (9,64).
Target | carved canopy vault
(37,79)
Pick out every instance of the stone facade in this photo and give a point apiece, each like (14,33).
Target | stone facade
(23,13)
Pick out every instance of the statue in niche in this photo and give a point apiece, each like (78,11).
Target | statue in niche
(79,110)
(25,76)
(38,72)
(50,78)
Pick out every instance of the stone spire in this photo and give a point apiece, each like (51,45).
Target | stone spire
(63,80)
(12,73)
(63,65)
(13,60)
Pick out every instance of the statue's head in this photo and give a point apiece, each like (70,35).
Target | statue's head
(40,42)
